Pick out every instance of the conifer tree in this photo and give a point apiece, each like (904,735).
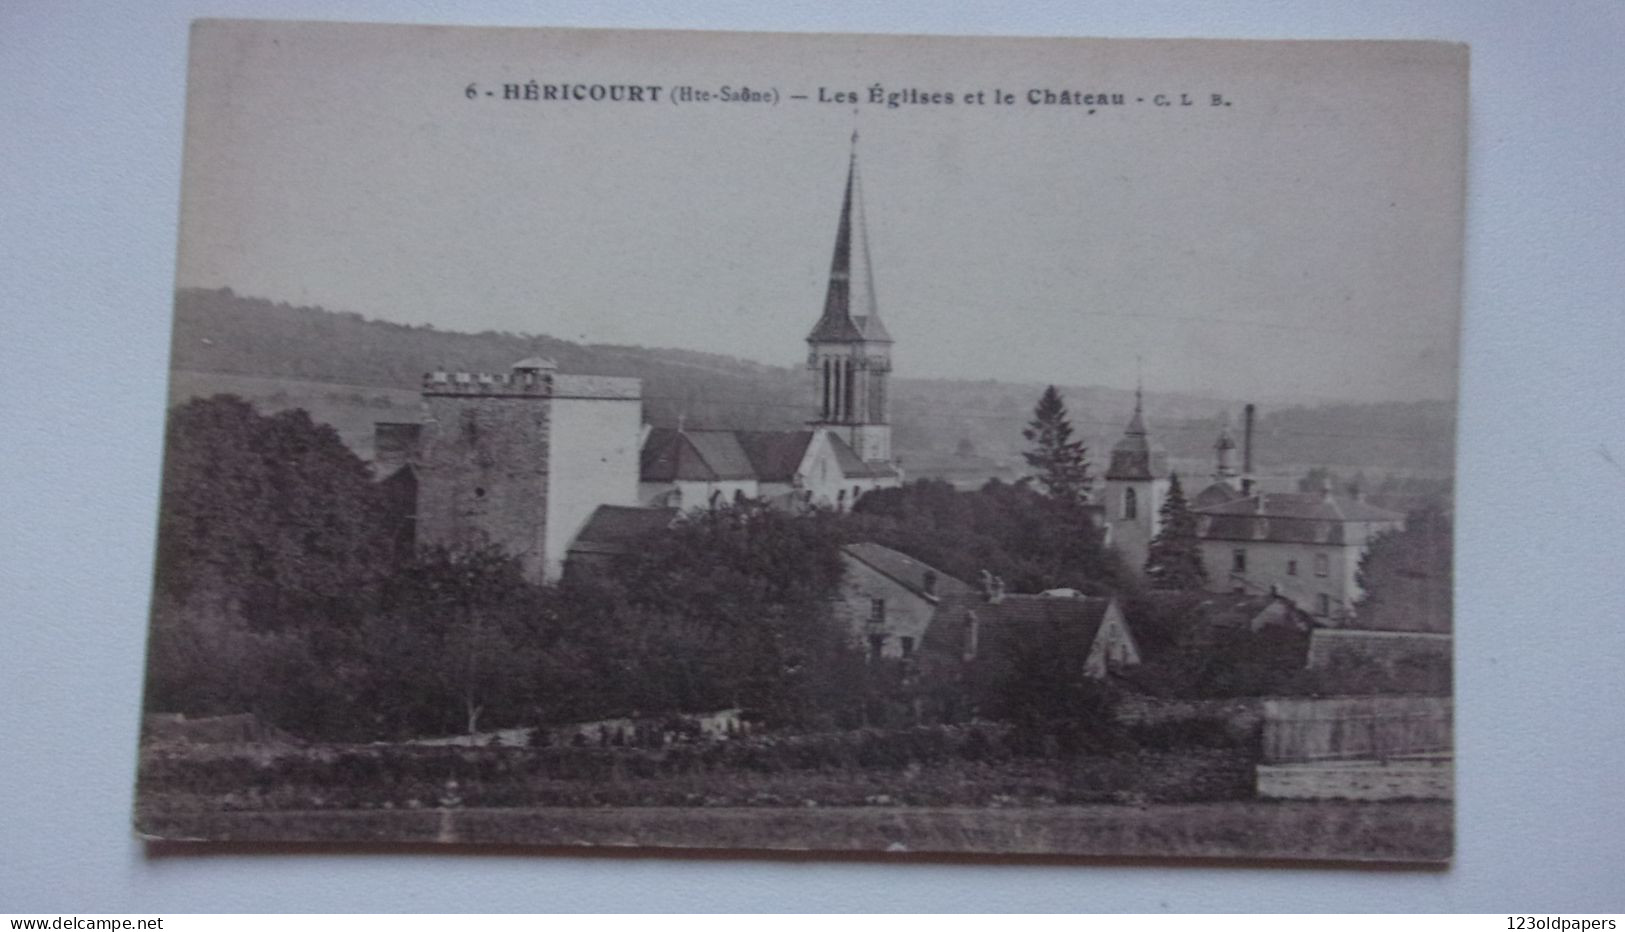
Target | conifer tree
(1174,560)
(1062,463)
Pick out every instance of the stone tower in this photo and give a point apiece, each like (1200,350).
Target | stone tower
(520,460)
(849,350)
(1136,482)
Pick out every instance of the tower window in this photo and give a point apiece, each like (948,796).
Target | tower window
(848,407)
(1322,565)
(1238,560)
(1292,567)
(1131,505)
(877,611)
(1323,603)
(825,409)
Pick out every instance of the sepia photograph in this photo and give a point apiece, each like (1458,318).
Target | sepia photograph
(829,443)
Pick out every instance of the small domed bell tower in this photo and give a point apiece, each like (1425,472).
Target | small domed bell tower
(1136,483)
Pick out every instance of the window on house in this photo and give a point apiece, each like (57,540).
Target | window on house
(877,644)
(1322,564)
(1292,567)
(1323,603)
(908,647)
(1131,505)
(877,611)
(1238,561)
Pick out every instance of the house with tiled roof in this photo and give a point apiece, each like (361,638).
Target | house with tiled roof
(1305,547)
(888,599)
(613,533)
(978,640)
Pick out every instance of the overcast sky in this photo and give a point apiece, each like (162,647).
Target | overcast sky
(1302,242)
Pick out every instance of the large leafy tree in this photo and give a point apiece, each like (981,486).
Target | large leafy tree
(457,643)
(1174,559)
(733,607)
(1062,463)
(267,518)
(1406,576)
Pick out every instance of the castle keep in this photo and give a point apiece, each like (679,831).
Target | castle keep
(517,460)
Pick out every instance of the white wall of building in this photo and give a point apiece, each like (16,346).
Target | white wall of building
(594,454)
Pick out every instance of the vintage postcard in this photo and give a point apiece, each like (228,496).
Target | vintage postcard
(814,442)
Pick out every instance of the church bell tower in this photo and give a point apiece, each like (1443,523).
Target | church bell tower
(1136,484)
(849,350)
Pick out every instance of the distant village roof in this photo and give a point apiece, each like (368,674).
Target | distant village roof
(774,454)
(615,529)
(671,455)
(1305,505)
(851,313)
(853,466)
(917,577)
(395,444)
(535,362)
(1310,518)
(694,456)
(1075,620)
(1216,494)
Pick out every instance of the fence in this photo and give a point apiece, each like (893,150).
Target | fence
(1374,727)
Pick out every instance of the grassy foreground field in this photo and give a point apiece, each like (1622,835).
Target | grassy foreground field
(1345,831)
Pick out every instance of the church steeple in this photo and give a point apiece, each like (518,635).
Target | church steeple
(849,349)
(851,312)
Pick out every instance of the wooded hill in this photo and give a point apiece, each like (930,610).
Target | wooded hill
(937,421)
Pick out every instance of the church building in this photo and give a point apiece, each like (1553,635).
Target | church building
(844,451)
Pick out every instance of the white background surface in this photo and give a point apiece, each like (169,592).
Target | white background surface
(91,100)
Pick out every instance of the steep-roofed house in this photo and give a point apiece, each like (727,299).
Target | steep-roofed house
(613,533)
(1303,546)
(889,598)
(812,467)
(978,641)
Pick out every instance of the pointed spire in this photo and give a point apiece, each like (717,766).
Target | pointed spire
(1136,424)
(1134,456)
(851,313)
